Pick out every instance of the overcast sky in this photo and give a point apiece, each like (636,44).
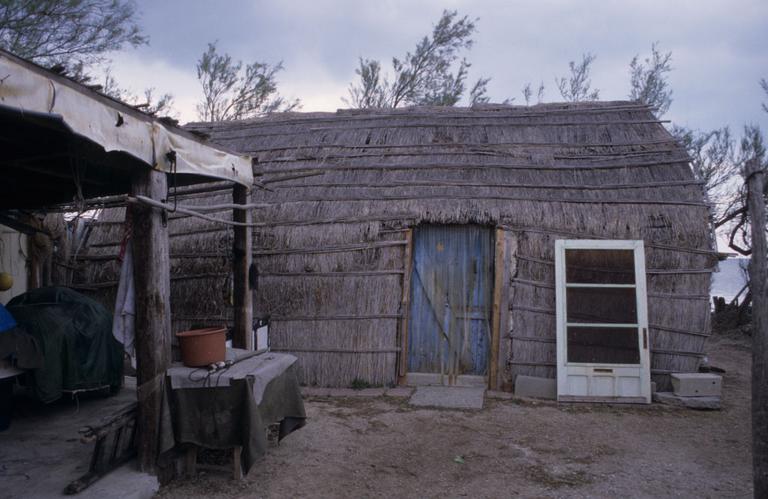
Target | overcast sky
(719,48)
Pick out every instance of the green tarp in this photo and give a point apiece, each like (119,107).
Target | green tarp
(75,335)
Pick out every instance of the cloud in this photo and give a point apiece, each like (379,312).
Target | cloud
(718,47)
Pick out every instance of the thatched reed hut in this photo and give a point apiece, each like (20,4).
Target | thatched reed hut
(377,226)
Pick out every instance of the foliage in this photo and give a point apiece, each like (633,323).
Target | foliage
(149,103)
(648,80)
(71,33)
(712,159)
(764,85)
(424,77)
(528,93)
(232,91)
(578,87)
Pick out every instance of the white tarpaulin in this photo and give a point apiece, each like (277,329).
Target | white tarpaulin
(28,88)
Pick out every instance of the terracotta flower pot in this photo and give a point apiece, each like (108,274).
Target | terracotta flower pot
(201,347)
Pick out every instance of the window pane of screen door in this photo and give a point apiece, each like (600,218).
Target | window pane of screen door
(603,345)
(599,266)
(601,305)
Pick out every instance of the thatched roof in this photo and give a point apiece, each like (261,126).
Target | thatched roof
(339,189)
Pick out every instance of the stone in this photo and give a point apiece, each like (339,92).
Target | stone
(450,397)
(700,403)
(534,387)
(696,384)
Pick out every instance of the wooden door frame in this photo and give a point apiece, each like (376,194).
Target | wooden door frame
(497,311)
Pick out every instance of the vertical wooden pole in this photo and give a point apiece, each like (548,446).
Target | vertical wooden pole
(405,307)
(243,256)
(151,274)
(498,281)
(758,282)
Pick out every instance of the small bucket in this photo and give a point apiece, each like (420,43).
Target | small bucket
(201,347)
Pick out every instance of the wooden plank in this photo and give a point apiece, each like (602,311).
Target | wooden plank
(242,336)
(758,277)
(153,310)
(237,472)
(402,359)
(498,279)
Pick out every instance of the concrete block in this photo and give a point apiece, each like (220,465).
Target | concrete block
(696,384)
(700,403)
(533,387)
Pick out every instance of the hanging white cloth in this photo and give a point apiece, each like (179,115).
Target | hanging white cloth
(125,307)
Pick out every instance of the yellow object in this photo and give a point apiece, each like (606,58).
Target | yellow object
(6,281)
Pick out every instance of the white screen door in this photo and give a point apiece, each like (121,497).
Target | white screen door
(602,321)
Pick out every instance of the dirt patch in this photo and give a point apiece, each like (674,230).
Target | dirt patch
(380,447)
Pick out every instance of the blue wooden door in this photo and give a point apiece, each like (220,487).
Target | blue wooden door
(449,328)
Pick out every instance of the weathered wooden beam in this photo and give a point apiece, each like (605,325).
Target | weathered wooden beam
(242,249)
(498,278)
(758,282)
(405,307)
(153,311)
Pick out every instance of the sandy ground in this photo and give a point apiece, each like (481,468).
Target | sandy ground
(381,447)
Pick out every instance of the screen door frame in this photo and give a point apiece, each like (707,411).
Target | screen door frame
(587,381)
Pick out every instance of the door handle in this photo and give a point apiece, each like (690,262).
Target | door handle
(645,338)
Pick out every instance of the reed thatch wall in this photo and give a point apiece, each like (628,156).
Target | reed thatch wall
(340,190)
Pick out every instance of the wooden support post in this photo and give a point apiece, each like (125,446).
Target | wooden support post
(758,282)
(498,281)
(405,307)
(151,273)
(243,256)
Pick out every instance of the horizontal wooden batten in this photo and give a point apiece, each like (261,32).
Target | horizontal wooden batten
(490,184)
(479,123)
(338,350)
(332,274)
(328,249)
(583,235)
(666,296)
(305,318)
(547,311)
(647,271)
(487,111)
(446,197)
(471,166)
(429,145)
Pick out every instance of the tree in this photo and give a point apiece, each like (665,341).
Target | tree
(528,93)
(736,215)
(578,87)
(232,91)
(648,80)
(427,76)
(72,33)
(713,161)
(149,103)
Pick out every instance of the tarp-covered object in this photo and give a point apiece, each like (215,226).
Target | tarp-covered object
(75,334)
